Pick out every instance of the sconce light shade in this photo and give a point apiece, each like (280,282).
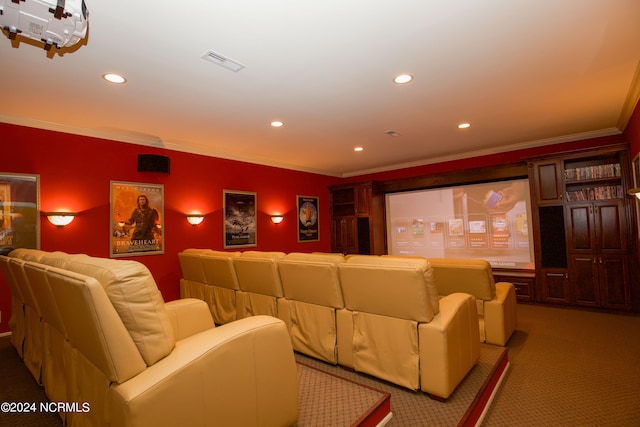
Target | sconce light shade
(277,218)
(195,219)
(60,219)
(635,192)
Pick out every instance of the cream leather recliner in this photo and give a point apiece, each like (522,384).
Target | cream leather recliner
(138,361)
(496,302)
(211,276)
(193,281)
(260,284)
(313,293)
(17,322)
(401,331)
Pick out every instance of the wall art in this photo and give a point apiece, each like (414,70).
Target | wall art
(308,224)
(240,222)
(19,210)
(137,219)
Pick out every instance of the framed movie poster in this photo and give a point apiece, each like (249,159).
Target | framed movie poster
(137,219)
(240,224)
(308,226)
(19,210)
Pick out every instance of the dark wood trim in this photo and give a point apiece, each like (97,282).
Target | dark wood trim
(459,177)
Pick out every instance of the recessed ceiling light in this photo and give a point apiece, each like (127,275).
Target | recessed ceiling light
(464,125)
(277,124)
(358,149)
(114,78)
(403,78)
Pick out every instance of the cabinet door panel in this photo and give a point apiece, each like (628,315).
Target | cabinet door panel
(613,277)
(344,235)
(580,228)
(363,195)
(547,179)
(583,276)
(554,285)
(611,237)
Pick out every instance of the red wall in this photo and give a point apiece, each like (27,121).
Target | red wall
(632,135)
(75,174)
(632,132)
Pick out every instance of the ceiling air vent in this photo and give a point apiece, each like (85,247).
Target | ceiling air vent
(223,61)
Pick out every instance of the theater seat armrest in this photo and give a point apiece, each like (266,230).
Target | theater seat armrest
(449,345)
(241,373)
(500,314)
(190,316)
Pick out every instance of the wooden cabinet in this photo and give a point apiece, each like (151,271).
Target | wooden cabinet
(357,218)
(547,182)
(524,282)
(582,233)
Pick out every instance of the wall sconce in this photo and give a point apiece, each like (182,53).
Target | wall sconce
(195,219)
(277,218)
(60,219)
(635,192)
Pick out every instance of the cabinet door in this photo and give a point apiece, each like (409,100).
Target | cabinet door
(614,276)
(344,235)
(554,285)
(547,176)
(363,198)
(580,228)
(608,218)
(583,276)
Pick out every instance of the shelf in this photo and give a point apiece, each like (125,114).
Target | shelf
(608,192)
(590,173)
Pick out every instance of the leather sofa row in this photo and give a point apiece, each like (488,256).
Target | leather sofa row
(378,315)
(97,332)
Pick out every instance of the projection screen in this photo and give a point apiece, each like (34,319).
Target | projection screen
(481,221)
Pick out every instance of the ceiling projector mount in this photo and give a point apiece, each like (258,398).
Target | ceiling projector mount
(56,23)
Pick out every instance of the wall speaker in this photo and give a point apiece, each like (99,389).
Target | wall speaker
(153,163)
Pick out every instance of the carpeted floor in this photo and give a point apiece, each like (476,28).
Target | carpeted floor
(411,408)
(332,400)
(568,368)
(324,401)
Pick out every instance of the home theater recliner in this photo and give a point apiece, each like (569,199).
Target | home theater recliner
(377,315)
(103,336)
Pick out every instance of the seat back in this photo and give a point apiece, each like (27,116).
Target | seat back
(260,284)
(258,272)
(132,291)
(17,320)
(400,288)
(37,276)
(468,276)
(312,278)
(93,325)
(191,265)
(219,269)
(312,290)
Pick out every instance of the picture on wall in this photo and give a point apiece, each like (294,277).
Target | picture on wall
(19,211)
(308,225)
(137,219)
(240,223)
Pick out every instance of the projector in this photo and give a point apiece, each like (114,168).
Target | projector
(56,23)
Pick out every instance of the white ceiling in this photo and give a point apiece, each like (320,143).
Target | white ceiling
(523,73)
